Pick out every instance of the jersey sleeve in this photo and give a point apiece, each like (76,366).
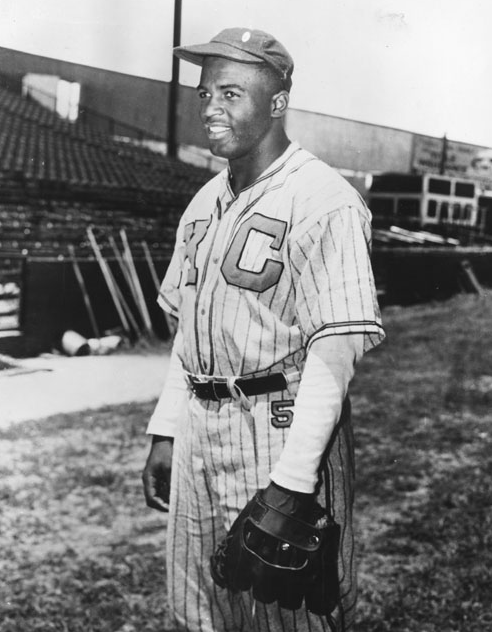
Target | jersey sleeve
(335,289)
(171,406)
(169,297)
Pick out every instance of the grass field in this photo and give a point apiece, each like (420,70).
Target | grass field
(81,552)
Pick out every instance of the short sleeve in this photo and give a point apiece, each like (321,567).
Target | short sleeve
(335,289)
(169,297)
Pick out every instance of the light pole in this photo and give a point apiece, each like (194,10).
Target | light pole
(172,119)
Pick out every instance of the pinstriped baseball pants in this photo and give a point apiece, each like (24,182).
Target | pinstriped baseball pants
(222,456)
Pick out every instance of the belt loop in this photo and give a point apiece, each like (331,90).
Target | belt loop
(212,388)
(291,374)
(237,393)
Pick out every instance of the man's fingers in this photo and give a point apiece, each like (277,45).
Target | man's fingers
(156,492)
(162,489)
(154,502)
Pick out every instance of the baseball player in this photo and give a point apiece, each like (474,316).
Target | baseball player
(272,289)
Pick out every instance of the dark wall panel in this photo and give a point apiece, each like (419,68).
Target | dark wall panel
(53,302)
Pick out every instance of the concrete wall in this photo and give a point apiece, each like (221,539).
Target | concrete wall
(351,145)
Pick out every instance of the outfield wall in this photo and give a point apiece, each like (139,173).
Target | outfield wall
(353,147)
(52,302)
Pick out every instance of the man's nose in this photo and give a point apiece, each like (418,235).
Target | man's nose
(211,107)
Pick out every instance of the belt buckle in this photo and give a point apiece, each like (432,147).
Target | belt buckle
(194,381)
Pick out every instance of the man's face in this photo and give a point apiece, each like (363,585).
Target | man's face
(235,107)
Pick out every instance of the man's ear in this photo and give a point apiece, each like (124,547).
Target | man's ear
(280,103)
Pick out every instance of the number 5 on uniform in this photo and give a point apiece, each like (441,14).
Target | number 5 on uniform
(282,414)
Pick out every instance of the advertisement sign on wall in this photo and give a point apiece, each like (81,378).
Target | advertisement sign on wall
(439,155)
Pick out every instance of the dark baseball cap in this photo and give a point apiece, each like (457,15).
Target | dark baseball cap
(248,46)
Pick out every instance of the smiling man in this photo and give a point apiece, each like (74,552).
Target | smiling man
(272,287)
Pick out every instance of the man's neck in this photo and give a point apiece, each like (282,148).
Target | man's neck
(244,171)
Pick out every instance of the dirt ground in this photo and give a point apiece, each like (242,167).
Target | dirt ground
(50,384)
(81,552)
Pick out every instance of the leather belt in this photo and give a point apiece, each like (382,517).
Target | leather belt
(215,389)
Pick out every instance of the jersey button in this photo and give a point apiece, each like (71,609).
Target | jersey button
(215,260)
(203,312)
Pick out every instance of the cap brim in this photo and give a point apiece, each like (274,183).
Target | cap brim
(196,54)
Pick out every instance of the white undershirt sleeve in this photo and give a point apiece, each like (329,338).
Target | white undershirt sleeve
(172,404)
(327,373)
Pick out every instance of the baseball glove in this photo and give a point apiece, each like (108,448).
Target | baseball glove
(281,557)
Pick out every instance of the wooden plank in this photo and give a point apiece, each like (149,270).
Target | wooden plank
(150,263)
(83,289)
(110,283)
(127,254)
(170,321)
(469,274)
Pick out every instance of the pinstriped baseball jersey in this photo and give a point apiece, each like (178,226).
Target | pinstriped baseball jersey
(256,277)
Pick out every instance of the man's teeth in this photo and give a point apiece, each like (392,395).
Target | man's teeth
(217,129)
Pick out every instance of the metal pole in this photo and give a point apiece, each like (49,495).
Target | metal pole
(444,155)
(172,120)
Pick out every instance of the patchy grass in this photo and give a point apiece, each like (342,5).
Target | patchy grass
(81,552)
(424,448)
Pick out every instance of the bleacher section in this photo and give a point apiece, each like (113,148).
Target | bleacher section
(47,229)
(57,179)
(38,147)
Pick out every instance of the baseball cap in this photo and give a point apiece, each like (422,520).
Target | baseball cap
(249,46)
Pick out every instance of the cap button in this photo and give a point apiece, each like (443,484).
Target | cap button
(246,36)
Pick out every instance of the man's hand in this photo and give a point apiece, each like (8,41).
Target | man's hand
(284,547)
(156,476)
(295,504)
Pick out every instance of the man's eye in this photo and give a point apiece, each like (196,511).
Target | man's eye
(229,94)
(203,94)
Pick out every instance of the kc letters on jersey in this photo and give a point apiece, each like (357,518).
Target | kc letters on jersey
(252,260)
(256,276)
